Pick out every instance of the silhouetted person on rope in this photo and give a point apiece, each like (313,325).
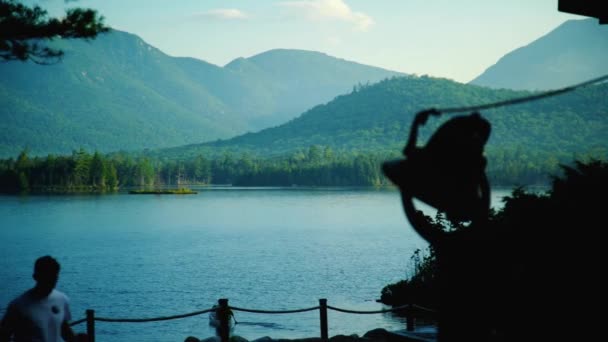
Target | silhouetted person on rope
(449,174)
(41,313)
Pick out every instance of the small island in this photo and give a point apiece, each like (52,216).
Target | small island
(180,191)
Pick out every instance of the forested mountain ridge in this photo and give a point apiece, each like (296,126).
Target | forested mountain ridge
(573,52)
(378,117)
(118,92)
(344,142)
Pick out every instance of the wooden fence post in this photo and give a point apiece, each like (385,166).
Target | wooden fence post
(410,319)
(224,315)
(91,325)
(323,318)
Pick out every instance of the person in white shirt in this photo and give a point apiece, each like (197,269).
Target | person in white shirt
(40,314)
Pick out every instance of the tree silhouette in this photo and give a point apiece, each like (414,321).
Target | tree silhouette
(539,273)
(25,30)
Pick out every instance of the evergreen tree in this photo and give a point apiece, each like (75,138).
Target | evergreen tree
(82,167)
(145,172)
(23,28)
(111,176)
(202,169)
(97,171)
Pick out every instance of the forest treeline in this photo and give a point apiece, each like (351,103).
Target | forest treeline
(315,166)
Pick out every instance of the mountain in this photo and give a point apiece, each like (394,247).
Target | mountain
(288,82)
(574,52)
(377,118)
(116,92)
(119,93)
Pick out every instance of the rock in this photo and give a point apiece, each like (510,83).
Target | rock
(382,335)
(263,339)
(345,338)
(309,339)
(237,338)
(211,339)
(378,335)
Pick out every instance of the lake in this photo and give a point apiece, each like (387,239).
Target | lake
(139,256)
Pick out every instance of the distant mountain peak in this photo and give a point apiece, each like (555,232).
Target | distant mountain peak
(292,55)
(237,63)
(573,52)
(285,50)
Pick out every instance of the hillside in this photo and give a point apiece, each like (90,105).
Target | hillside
(119,93)
(343,143)
(116,92)
(573,52)
(289,82)
(377,118)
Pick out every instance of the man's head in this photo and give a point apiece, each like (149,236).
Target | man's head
(46,274)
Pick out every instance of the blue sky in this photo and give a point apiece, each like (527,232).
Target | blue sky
(456,39)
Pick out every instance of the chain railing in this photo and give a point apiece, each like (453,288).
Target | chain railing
(411,311)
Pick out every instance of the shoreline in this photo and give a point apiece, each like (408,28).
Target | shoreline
(193,189)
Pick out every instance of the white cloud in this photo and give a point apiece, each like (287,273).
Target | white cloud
(330,9)
(223,13)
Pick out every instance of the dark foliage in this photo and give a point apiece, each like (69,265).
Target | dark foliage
(23,30)
(547,257)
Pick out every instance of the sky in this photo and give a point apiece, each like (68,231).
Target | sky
(455,39)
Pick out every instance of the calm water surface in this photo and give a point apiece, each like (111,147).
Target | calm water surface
(263,248)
